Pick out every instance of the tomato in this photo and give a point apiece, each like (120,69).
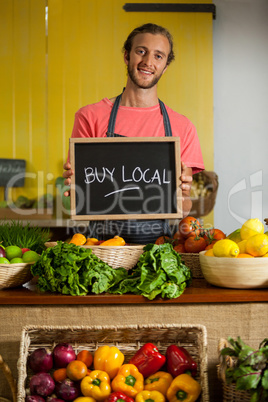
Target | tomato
(210,246)
(163,239)
(178,237)
(189,226)
(76,370)
(214,234)
(85,356)
(195,244)
(179,248)
(99,242)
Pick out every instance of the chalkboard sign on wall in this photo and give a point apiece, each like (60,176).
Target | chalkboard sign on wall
(12,172)
(125,178)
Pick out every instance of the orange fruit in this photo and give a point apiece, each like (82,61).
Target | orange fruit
(209,252)
(85,356)
(60,374)
(76,370)
(244,255)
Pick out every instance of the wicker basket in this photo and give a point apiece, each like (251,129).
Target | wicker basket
(128,339)
(10,379)
(191,260)
(202,206)
(230,393)
(117,257)
(13,275)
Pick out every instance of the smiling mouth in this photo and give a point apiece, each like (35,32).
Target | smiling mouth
(145,71)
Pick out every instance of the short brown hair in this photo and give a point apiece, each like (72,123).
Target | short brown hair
(153,29)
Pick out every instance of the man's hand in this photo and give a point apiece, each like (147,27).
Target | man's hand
(186,184)
(67,175)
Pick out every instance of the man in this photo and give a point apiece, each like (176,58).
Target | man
(138,112)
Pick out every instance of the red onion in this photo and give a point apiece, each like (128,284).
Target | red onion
(34,398)
(63,354)
(2,252)
(42,384)
(53,398)
(67,389)
(41,360)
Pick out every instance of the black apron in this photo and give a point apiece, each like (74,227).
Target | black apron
(139,231)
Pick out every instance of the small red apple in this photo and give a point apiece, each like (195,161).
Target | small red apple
(24,250)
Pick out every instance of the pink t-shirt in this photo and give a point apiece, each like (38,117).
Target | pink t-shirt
(92,121)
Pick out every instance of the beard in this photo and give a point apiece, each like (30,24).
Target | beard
(137,81)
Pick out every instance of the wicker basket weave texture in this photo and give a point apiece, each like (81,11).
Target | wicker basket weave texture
(117,257)
(191,260)
(13,275)
(230,393)
(202,206)
(10,379)
(127,338)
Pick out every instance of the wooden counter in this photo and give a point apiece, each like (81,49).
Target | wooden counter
(224,312)
(199,292)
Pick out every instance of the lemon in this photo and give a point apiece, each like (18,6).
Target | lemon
(13,252)
(225,248)
(250,228)
(265,255)
(257,245)
(242,246)
(16,260)
(30,256)
(235,236)
(4,260)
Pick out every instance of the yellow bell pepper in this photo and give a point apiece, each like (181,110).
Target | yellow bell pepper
(128,380)
(115,241)
(183,388)
(150,396)
(108,359)
(159,381)
(96,385)
(91,241)
(78,239)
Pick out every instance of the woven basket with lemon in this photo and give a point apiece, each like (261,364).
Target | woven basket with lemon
(238,261)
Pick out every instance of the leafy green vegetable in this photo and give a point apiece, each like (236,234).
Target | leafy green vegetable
(15,233)
(70,269)
(159,271)
(250,371)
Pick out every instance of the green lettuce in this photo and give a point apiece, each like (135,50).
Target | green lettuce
(159,272)
(73,270)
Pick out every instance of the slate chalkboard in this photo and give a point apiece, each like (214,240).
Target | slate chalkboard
(125,178)
(12,172)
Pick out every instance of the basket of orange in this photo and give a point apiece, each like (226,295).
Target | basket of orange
(239,260)
(115,251)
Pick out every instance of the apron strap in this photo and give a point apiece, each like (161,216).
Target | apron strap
(168,132)
(111,125)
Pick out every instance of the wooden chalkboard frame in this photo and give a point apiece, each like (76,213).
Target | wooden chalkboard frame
(176,163)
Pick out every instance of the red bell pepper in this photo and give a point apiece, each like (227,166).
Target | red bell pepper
(148,359)
(180,361)
(118,397)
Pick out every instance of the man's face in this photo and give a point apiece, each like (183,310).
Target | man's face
(147,59)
